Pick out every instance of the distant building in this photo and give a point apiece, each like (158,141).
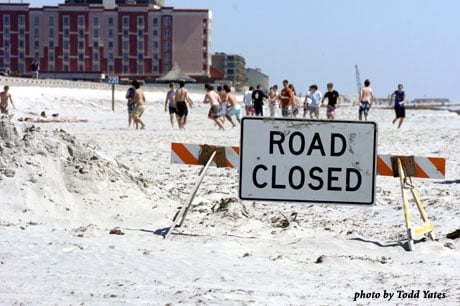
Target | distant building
(88,38)
(255,77)
(233,66)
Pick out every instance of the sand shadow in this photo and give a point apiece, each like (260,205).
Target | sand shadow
(401,243)
(449,182)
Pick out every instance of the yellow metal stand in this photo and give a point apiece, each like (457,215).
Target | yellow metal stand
(406,183)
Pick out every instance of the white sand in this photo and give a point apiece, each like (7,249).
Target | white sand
(64,186)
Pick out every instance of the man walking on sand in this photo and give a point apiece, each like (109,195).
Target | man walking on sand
(234,108)
(215,112)
(139,98)
(366,98)
(131,104)
(286,98)
(4,97)
(333,99)
(170,103)
(182,99)
(400,102)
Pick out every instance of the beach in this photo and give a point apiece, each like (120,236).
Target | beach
(85,206)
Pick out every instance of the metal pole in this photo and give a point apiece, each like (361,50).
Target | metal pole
(113,97)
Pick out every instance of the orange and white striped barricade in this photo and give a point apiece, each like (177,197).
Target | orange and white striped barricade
(404,167)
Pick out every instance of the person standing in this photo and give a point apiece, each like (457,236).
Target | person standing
(258,97)
(366,98)
(4,97)
(35,69)
(286,98)
(215,112)
(333,99)
(247,99)
(130,104)
(139,99)
(182,99)
(234,108)
(400,101)
(315,95)
(170,103)
(273,100)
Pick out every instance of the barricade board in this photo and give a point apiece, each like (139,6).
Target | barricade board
(316,161)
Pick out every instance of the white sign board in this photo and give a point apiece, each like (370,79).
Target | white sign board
(299,160)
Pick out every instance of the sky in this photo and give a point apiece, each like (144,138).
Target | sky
(413,42)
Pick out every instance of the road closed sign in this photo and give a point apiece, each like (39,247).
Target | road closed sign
(314,161)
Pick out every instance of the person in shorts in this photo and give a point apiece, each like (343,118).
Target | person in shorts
(215,111)
(399,97)
(5,96)
(182,98)
(333,99)
(170,103)
(286,99)
(366,98)
(130,103)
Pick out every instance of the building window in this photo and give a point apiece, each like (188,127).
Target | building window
(21,31)
(36,32)
(140,21)
(166,67)
(6,31)
(140,45)
(125,33)
(81,20)
(167,33)
(110,45)
(66,68)
(155,21)
(96,56)
(36,21)
(96,33)
(96,21)
(81,57)
(36,44)
(51,44)
(167,57)
(140,33)
(22,19)
(110,56)
(21,44)
(66,20)
(66,44)
(81,45)
(125,57)
(6,20)
(125,21)
(111,70)
(51,20)
(66,33)
(95,44)
(111,21)
(155,32)
(140,69)
(155,56)
(66,56)
(50,67)
(51,56)
(95,67)
(81,33)
(166,46)
(125,69)
(111,33)
(51,32)
(155,44)
(167,21)
(37,55)
(155,68)
(140,57)
(125,45)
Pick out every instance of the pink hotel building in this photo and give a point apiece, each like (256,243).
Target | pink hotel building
(81,40)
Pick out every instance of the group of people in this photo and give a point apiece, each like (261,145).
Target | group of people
(136,104)
(367,98)
(224,106)
(289,103)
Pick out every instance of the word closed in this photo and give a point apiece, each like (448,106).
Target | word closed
(308,160)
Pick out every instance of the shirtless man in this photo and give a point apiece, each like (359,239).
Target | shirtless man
(234,108)
(273,100)
(139,98)
(182,99)
(366,97)
(215,111)
(4,97)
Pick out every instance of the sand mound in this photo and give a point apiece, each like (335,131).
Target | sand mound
(61,169)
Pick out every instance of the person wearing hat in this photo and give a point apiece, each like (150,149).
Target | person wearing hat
(258,97)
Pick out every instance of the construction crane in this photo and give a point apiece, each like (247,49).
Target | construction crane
(358,79)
